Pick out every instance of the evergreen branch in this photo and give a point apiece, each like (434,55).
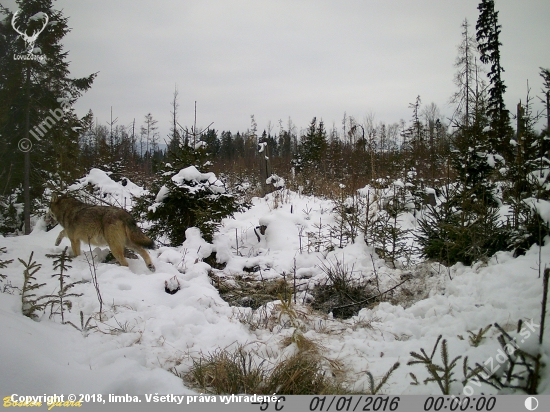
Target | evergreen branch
(29,304)
(441,374)
(475,338)
(374,389)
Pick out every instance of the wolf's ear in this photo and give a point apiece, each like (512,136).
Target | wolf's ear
(54,197)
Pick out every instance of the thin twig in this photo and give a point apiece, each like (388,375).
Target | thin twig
(372,297)
(93,272)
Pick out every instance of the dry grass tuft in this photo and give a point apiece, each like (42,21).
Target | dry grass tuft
(302,374)
(237,371)
(226,372)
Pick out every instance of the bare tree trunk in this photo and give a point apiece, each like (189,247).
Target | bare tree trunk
(265,169)
(27,157)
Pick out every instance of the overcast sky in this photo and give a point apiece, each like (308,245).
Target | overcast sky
(286,58)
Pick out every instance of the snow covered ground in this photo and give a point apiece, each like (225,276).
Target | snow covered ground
(144,332)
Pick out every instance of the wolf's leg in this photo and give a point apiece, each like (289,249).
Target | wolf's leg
(75,245)
(115,236)
(143,253)
(118,253)
(60,237)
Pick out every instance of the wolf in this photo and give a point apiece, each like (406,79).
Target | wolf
(100,225)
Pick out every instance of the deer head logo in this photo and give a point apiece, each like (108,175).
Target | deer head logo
(30,40)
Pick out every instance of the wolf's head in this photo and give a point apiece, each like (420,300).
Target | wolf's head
(49,218)
(55,206)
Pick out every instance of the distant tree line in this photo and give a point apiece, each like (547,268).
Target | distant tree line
(476,160)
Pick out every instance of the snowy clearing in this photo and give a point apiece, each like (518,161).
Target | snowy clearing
(146,334)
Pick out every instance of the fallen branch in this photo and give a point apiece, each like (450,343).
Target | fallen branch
(370,298)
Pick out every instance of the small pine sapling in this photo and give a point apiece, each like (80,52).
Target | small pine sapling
(521,370)
(7,287)
(180,199)
(442,374)
(385,233)
(61,299)
(316,240)
(368,203)
(347,211)
(476,338)
(85,327)
(4,263)
(29,302)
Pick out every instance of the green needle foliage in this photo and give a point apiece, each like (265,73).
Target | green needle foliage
(29,302)
(374,388)
(177,202)
(442,374)
(60,264)
(521,370)
(476,338)
(4,263)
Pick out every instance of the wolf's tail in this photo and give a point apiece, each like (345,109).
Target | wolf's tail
(135,234)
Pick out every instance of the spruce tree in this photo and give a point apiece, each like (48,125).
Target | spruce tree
(36,98)
(488,38)
(212,143)
(415,144)
(470,146)
(179,199)
(529,181)
(311,158)
(226,146)
(465,226)
(313,147)
(60,299)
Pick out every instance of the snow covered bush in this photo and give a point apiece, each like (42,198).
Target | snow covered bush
(11,215)
(461,230)
(100,187)
(183,199)
(530,224)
